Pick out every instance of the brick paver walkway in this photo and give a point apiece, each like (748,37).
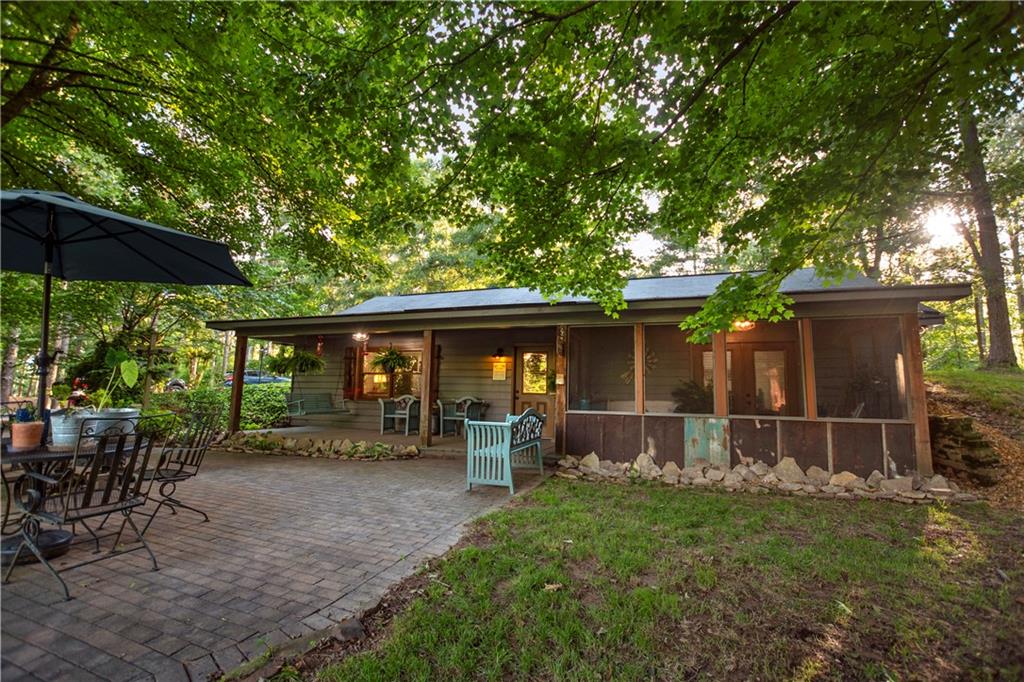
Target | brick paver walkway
(293,546)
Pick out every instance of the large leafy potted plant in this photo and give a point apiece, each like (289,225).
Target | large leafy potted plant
(391,361)
(124,374)
(26,429)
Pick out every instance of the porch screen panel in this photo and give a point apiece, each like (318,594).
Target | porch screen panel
(601,369)
(674,381)
(859,368)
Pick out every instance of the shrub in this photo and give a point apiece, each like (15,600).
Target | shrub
(263,405)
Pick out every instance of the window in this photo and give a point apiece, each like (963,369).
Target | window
(375,382)
(535,372)
(858,368)
(601,370)
(677,379)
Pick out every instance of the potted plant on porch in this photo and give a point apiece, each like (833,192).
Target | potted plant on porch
(124,374)
(66,422)
(390,361)
(26,429)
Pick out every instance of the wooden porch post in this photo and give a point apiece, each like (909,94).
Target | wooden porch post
(561,340)
(237,383)
(426,387)
(918,407)
(639,368)
(720,372)
(810,387)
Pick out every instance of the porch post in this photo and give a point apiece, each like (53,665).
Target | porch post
(426,386)
(719,370)
(237,383)
(918,407)
(639,368)
(561,339)
(810,387)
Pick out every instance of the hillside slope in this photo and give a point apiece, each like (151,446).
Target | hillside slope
(995,401)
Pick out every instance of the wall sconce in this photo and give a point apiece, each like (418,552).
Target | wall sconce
(319,345)
(499,354)
(360,337)
(742,326)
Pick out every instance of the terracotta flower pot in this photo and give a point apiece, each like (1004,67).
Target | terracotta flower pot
(26,435)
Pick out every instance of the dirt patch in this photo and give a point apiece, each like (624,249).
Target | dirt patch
(1004,434)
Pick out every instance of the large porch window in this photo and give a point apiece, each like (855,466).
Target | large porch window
(859,368)
(375,383)
(678,375)
(601,369)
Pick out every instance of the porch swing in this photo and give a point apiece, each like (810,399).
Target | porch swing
(302,404)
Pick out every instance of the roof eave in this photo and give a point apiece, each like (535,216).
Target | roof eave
(921,292)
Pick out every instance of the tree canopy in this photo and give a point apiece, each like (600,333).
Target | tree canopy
(331,135)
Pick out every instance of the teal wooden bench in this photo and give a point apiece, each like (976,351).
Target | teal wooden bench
(494,448)
(313,403)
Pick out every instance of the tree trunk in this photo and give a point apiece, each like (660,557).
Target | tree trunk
(9,365)
(979,326)
(193,370)
(61,345)
(1017,266)
(1000,350)
(43,80)
(147,377)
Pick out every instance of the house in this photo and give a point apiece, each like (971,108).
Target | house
(839,386)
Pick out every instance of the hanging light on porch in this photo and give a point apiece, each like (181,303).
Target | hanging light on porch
(360,337)
(742,326)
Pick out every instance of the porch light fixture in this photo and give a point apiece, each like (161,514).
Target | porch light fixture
(499,354)
(742,325)
(360,337)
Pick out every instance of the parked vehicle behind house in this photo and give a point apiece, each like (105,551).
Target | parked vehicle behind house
(257,378)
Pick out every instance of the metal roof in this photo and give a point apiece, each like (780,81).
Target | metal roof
(517,306)
(644,289)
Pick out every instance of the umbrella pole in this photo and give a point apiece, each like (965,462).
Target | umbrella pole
(43,361)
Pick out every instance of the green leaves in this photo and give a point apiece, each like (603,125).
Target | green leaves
(129,372)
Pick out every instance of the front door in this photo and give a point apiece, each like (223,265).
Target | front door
(534,385)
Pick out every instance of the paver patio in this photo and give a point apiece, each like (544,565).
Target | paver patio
(293,546)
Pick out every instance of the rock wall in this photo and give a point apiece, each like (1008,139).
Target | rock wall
(957,447)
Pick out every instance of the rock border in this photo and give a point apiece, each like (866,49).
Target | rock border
(269,443)
(786,477)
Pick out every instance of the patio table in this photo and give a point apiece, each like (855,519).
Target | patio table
(52,542)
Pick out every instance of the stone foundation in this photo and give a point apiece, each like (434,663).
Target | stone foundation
(786,477)
(274,444)
(957,447)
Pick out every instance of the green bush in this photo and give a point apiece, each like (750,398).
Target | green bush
(263,405)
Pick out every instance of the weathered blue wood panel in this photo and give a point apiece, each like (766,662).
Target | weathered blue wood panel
(707,438)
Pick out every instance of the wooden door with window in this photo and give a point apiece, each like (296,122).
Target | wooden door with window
(534,385)
(763,377)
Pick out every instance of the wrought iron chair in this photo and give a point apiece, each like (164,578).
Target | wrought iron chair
(106,475)
(180,460)
(454,413)
(405,407)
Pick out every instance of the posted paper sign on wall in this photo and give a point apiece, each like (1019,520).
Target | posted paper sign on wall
(498,371)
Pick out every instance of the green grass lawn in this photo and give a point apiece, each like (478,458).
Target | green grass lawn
(999,391)
(593,582)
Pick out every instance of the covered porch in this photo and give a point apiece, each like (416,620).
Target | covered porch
(508,370)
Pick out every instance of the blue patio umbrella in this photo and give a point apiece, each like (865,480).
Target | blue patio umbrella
(55,235)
